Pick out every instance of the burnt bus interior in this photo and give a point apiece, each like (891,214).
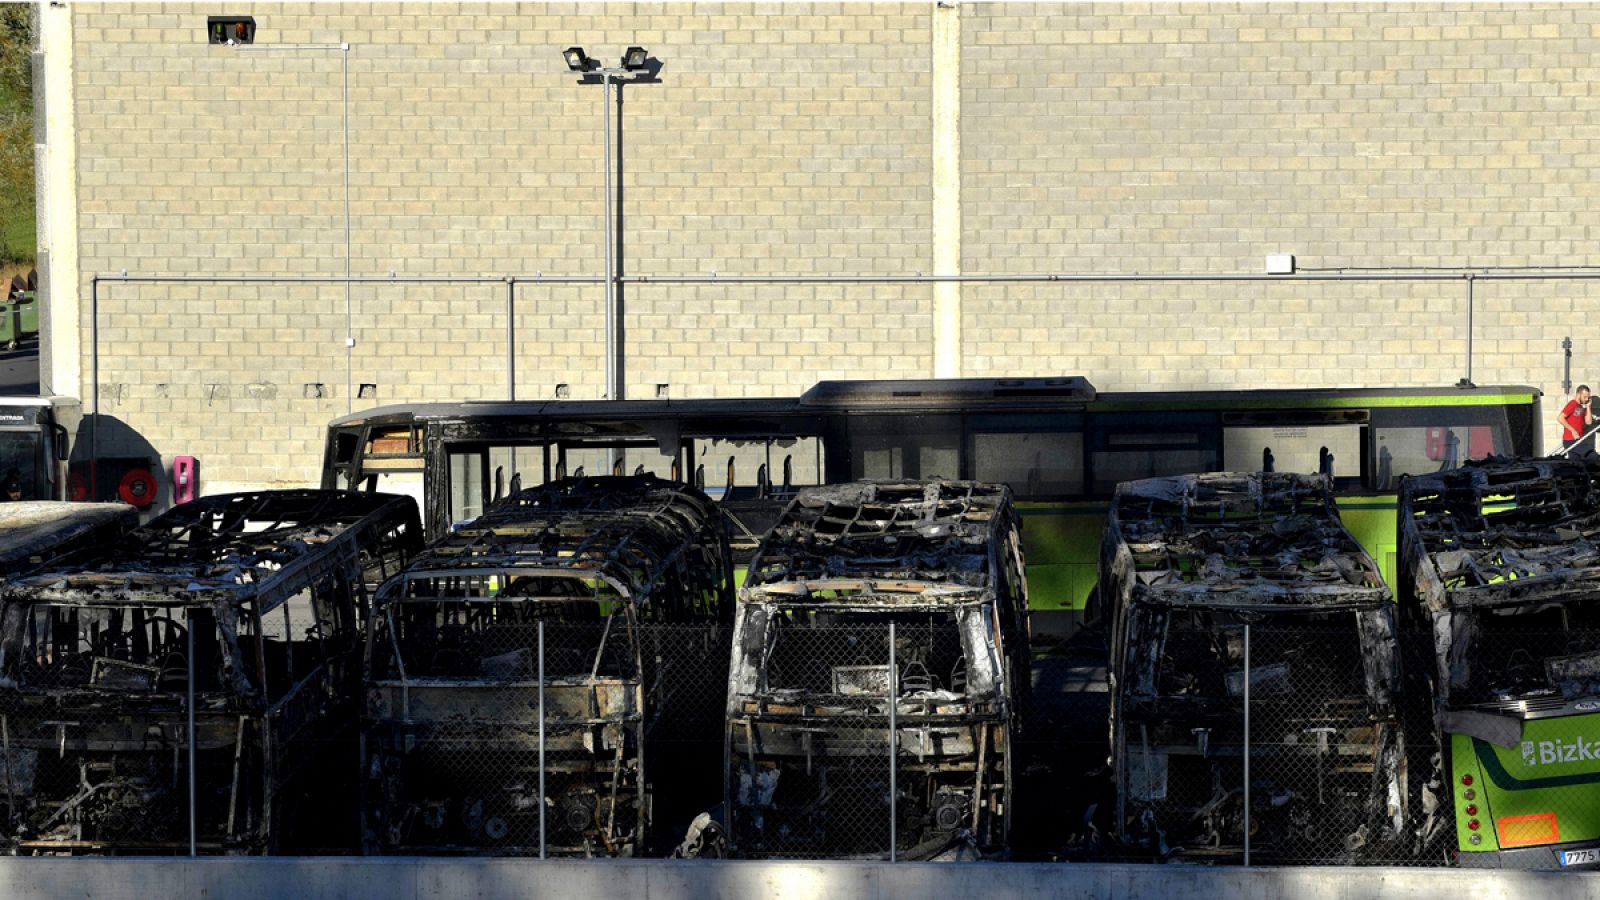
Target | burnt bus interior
(460,459)
(808,767)
(252,605)
(603,597)
(1201,574)
(1501,567)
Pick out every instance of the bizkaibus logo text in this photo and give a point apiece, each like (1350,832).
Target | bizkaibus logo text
(1544,753)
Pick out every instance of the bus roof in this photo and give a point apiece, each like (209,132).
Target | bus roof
(1264,541)
(33,532)
(265,546)
(897,543)
(629,530)
(569,409)
(942,392)
(1504,532)
(1064,392)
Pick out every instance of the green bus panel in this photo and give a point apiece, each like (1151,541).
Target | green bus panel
(1061,542)
(1541,792)
(1372,521)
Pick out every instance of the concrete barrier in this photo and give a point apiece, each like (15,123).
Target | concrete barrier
(428,879)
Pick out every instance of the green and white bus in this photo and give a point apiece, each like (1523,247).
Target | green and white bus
(1060,444)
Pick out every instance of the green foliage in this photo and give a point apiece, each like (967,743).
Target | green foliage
(16,60)
(18,236)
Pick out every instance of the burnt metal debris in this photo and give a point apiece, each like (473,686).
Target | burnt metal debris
(40,533)
(184,687)
(1190,566)
(572,599)
(1499,557)
(820,761)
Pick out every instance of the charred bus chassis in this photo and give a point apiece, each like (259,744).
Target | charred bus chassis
(1191,566)
(1501,565)
(592,601)
(215,648)
(36,534)
(809,768)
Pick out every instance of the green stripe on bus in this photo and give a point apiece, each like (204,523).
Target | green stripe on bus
(1357,402)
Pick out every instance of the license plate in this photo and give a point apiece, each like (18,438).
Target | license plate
(1580,857)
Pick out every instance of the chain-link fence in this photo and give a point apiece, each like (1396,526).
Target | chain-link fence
(875,740)
(1270,744)
(1282,744)
(120,732)
(541,737)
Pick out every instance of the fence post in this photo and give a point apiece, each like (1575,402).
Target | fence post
(893,742)
(194,843)
(511,337)
(1247,743)
(542,803)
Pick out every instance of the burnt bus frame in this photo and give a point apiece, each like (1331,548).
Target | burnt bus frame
(203,556)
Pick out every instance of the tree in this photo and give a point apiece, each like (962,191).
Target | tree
(17,230)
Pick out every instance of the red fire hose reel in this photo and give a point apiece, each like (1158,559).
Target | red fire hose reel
(137,488)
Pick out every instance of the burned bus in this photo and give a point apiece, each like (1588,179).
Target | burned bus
(184,688)
(36,534)
(1061,444)
(1501,567)
(534,679)
(879,644)
(1254,669)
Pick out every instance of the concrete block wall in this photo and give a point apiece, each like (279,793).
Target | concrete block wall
(1201,137)
(781,138)
(800,139)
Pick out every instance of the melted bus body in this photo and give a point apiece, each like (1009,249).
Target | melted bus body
(535,679)
(1194,568)
(880,645)
(204,665)
(1061,446)
(38,534)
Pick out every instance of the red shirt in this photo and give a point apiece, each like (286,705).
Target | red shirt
(1572,420)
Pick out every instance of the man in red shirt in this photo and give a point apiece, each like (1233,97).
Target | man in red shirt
(1577,419)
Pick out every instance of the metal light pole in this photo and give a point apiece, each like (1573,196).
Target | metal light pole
(634,63)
